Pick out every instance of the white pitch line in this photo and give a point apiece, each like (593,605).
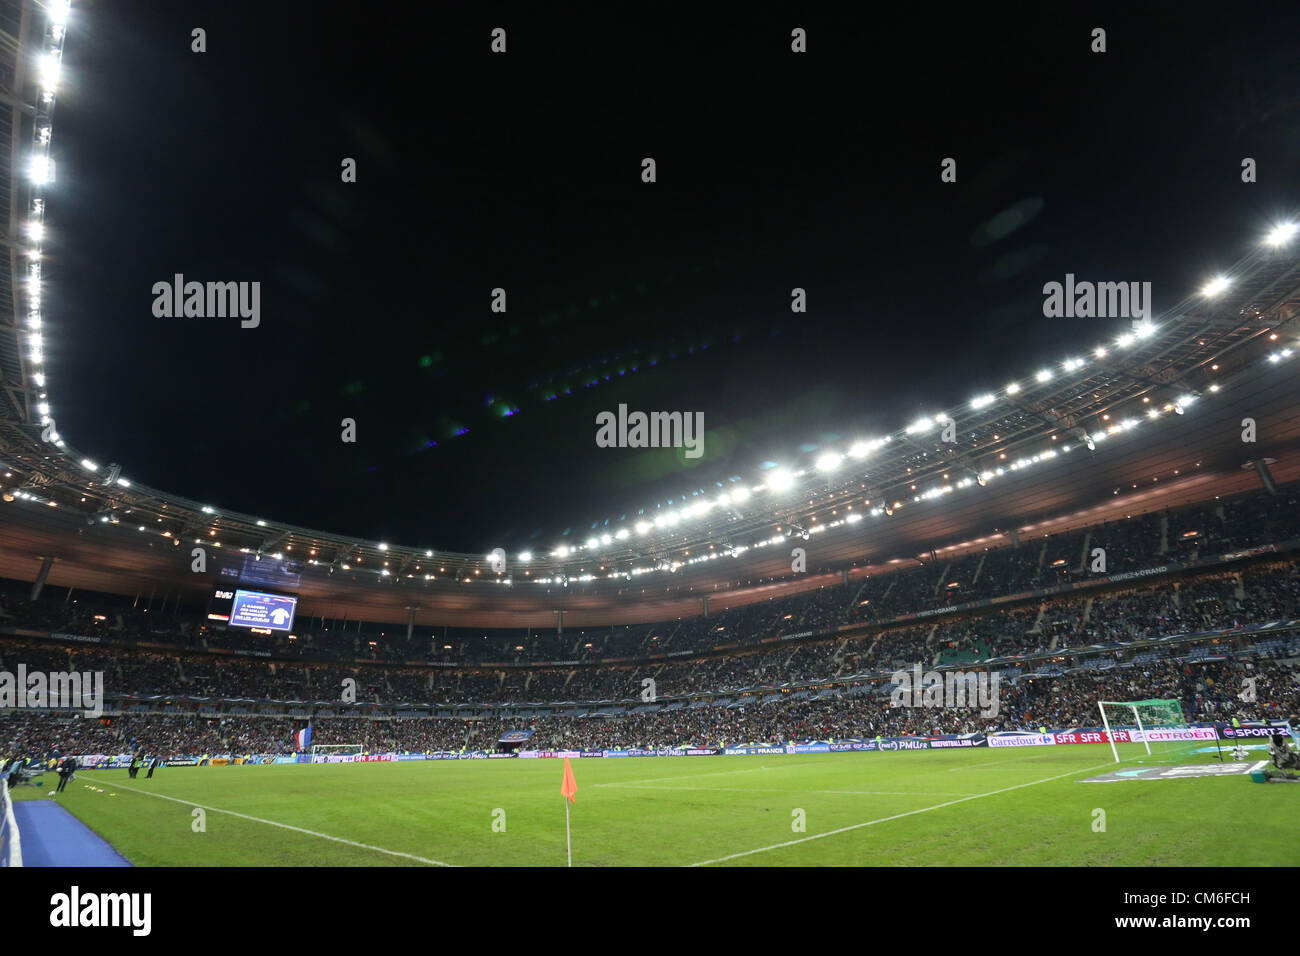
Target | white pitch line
(286,826)
(897,816)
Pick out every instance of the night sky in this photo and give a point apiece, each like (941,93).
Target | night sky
(523,171)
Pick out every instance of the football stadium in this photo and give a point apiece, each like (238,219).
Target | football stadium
(997,566)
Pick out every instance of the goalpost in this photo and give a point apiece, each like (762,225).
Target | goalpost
(1144,717)
(344,749)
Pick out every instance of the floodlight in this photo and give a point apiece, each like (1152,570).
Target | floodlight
(1215,286)
(1281,234)
(780,480)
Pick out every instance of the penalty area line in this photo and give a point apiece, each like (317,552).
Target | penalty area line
(896,816)
(273,823)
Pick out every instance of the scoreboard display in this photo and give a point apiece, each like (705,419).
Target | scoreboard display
(263,611)
(219,604)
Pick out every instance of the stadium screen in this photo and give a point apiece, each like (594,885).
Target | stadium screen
(262,611)
(219,604)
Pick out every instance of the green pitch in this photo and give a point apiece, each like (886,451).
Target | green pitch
(989,807)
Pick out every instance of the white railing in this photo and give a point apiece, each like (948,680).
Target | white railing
(11,847)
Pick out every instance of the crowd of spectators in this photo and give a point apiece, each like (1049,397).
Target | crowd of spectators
(1083,640)
(1209,690)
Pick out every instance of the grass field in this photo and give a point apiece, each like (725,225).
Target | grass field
(928,808)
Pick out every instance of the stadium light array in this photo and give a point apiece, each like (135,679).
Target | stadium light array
(782,478)
(41,169)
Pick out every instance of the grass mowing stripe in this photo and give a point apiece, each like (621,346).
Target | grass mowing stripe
(273,823)
(855,793)
(692,776)
(896,816)
(1019,758)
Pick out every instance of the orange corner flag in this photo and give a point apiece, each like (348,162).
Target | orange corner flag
(570,786)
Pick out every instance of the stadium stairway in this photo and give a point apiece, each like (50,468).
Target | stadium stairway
(54,837)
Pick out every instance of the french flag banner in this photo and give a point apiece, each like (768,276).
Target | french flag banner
(302,738)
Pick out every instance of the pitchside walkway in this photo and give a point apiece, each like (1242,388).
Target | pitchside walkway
(54,837)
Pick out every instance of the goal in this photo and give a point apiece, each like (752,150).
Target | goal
(344,749)
(1146,722)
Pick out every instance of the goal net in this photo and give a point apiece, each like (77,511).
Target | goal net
(343,749)
(1143,726)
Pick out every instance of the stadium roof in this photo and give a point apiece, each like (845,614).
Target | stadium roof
(1162,408)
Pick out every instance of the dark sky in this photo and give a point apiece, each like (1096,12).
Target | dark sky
(523,171)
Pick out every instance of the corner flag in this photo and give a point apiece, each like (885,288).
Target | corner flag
(570,786)
(569,790)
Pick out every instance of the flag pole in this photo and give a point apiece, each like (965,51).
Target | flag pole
(569,790)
